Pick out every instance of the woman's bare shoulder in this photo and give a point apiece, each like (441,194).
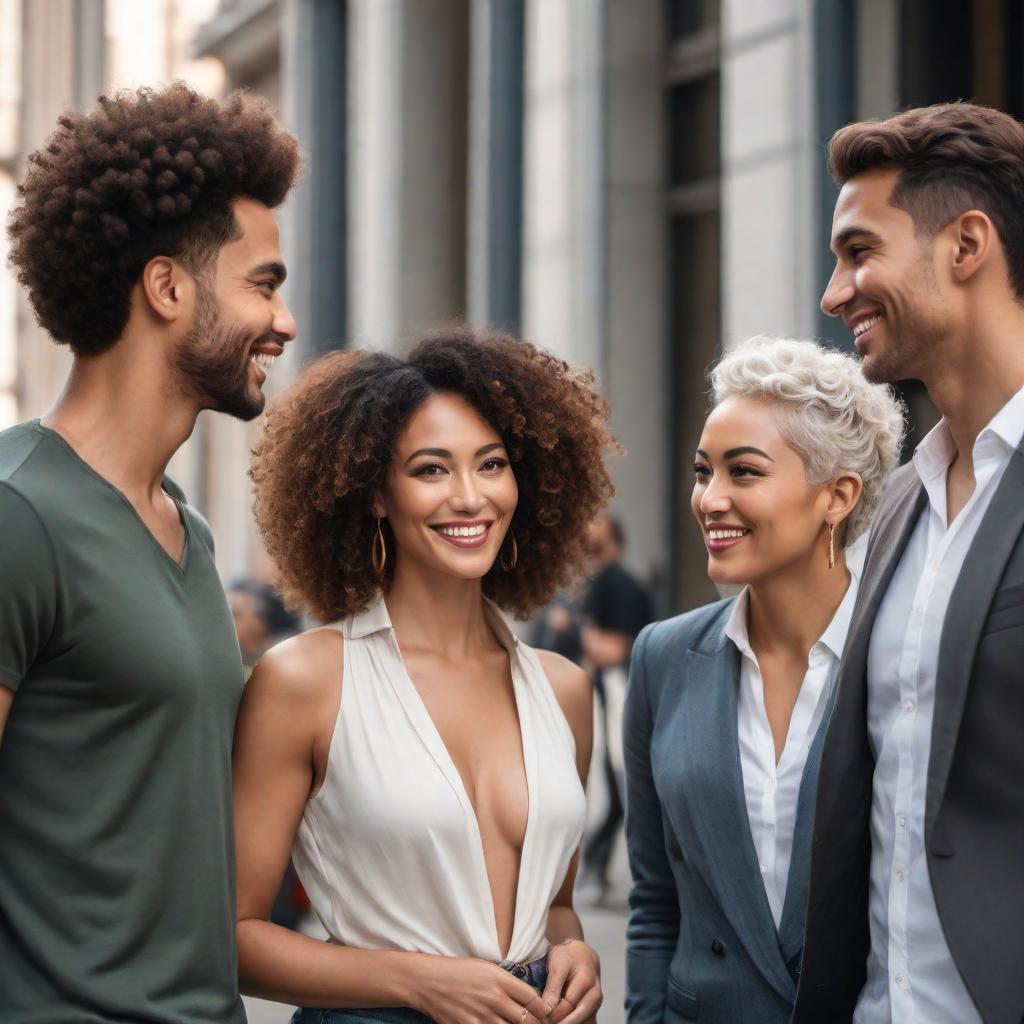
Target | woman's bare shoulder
(573,687)
(303,668)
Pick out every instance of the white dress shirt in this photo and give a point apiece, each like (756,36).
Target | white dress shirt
(911,975)
(771,790)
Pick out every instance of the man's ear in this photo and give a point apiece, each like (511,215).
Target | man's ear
(169,289)
(974,238)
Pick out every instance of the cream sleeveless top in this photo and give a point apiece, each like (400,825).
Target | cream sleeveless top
(389,849)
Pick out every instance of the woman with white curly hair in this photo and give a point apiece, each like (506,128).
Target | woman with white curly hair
(728,704)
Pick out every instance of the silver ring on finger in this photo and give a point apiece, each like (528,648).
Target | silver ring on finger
(526,1013)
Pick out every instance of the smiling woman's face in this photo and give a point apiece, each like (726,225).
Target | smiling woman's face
(451,491)
(756,510)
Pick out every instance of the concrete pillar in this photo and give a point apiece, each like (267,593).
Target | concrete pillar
(771,167)
(313,97)
(636,373)
(47,89)
(564,222)
(407,190)
(494,243)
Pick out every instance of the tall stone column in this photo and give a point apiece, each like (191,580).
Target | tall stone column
(313,101)
(62,66)
(770,169)
(407,186)
(563,229)
(493,272)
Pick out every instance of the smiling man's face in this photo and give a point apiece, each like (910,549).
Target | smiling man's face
(241,321)
(885,285)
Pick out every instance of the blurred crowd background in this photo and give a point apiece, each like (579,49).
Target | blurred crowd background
(633,184)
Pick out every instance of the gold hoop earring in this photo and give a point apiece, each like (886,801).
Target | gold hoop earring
(831,545)
(379,551)
(509,565)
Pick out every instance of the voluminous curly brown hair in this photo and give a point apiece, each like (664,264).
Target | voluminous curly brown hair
(954,157)
(145,173)
(329,442)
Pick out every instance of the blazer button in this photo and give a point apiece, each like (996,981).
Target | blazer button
(717,948)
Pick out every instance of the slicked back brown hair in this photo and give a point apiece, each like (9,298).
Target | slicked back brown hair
(144,173)
(329,442)
(953,157)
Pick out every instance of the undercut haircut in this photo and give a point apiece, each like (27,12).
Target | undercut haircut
(952,157)
(144,173)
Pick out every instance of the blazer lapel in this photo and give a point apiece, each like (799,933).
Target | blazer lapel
(718,809)
(850,705)
(968,608)
(794,909)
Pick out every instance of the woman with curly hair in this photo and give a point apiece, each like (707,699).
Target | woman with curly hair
(727,705)
(426,766)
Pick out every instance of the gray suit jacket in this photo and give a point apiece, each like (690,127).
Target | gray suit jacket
(974,806)
(702,943)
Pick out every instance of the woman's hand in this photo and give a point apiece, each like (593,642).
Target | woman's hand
(573,990)
(457,990)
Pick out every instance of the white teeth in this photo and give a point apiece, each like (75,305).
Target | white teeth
(726,534)
(263,359)
(462,531)
(865,325)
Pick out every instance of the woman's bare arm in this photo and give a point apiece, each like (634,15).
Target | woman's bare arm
(573,988)
(286,718)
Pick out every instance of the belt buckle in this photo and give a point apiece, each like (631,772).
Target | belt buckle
(516,969)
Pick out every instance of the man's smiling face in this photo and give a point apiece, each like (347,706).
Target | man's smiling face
(885,285)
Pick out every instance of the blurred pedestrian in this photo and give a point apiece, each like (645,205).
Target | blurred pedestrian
(427,767)
(728,704)
(616,606)
(918,869)
(144,238)
(261,619)
(557,627)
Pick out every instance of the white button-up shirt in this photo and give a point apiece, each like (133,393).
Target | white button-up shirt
(771,790)
(911,975)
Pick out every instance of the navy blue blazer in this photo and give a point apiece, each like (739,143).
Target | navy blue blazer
(702,943)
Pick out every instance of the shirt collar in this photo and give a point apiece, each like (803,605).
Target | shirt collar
(834,637)
(1002,434)
(374,618)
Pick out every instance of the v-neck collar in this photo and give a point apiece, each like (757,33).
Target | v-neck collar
(375,619)
(181,563)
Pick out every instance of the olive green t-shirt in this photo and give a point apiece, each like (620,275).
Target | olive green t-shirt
(116,857)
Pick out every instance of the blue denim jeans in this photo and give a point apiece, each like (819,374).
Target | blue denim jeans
(535,974)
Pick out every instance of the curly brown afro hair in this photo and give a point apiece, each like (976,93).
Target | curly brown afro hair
(145,173)
(328,445)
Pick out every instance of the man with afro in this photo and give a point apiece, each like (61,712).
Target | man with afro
(144,238)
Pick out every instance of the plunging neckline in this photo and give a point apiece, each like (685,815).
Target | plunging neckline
(423,721)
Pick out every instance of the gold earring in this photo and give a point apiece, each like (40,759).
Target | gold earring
(831,545)
(379,551)
(511,564)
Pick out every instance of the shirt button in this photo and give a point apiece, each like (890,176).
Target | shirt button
(908,705)
(902,820)
(919,611)
(901,980)
(764,870)
(717,947)
(901,874)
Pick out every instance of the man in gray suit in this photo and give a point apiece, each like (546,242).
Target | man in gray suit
(916,904)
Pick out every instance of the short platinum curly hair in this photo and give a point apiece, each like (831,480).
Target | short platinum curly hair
(828,413)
